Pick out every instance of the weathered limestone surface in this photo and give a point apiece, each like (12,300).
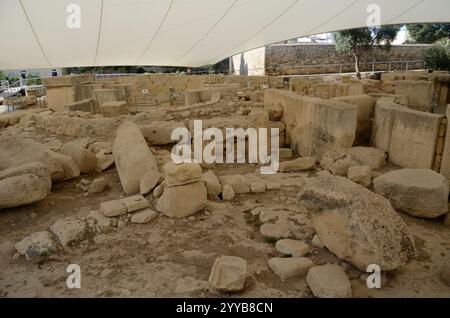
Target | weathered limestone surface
(212,183)
(180,174)
(15,151)
(184,200)
(378,235)
(419,192)
(409,136)
(24,184)
(61,123)
(384,117)
(86,161)
(104,95)
(290,267)
(313,125)
(360,174)
(203,95)
(414,138)
(365,104)
(329,281)
(373,157)
(37,244)
(132,157)
(298,164)
(160,132)
(419,93)
(229,273)
(69,230)
(113,108)
(338,161)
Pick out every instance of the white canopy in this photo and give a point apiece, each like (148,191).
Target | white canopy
(34,33)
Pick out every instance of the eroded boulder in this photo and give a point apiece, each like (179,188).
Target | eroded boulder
(24,184)
(184,200)
(69,230)
(37,244)
(357,225)
(419,192)
(329,281)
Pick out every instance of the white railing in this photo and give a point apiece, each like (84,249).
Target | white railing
(339,67)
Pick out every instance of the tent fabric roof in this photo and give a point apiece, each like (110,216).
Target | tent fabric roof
(34,33)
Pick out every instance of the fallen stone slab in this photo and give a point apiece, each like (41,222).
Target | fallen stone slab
(16,151)
(181,174)
(419,192)
(290,267)
(375,158)
(357,225)
(182,201)
(135,202)
(229,273)
(299,164)
(69,230)
(329,281)
(144,216)
(36,245)
(293,248)
(132,157)
(25,184)
(113,208)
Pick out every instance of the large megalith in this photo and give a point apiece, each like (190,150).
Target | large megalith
(133,158)
(357,225)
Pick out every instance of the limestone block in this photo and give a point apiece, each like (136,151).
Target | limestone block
(132,157)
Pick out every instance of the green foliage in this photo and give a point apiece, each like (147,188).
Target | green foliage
(33,79)
(361,40)
(428,33)
(438,56)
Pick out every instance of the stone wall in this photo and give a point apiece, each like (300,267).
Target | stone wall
(284,59)
(313,125)
(409,136)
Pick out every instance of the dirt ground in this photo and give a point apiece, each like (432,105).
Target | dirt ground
(173,258)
